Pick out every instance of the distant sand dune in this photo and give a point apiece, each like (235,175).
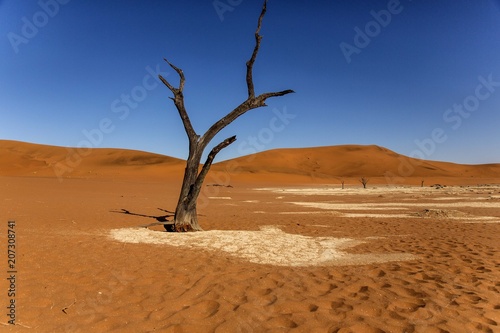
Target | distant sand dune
(26,159)
(352,161)
(301,165)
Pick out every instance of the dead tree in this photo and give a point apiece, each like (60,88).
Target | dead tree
(364,181)
(186,218)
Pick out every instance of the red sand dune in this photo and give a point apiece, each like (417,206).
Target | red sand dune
(353,161)
(28,159)
(298,165)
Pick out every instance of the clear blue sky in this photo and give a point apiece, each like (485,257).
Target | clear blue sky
(424,81)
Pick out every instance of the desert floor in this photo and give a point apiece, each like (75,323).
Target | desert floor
(286,258)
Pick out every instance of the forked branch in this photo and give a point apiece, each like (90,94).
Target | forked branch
(208,164)
(181,77)
(179,101)
(252,102)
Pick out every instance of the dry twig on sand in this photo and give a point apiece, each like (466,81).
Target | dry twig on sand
(67,307)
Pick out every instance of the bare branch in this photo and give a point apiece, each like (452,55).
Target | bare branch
(241,109)
(165,82)
(181,74)
(265,96)
(258,38)
(179,102)
(208,164)
(226,120)
(252,102)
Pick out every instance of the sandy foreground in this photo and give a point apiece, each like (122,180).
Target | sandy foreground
(273,259)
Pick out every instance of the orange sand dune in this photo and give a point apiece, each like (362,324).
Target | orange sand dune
(353,161)
(27,159)
(299,165)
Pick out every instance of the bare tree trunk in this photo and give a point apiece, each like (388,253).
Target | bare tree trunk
(186,218)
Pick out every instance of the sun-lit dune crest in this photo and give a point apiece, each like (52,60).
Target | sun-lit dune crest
(351,161)
(28,159)
(328,164)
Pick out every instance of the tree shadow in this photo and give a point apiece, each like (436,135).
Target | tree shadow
(160,219)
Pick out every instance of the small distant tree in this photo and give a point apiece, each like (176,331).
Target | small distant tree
(342,181)
(186,217)
(422,183)
(364,181)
